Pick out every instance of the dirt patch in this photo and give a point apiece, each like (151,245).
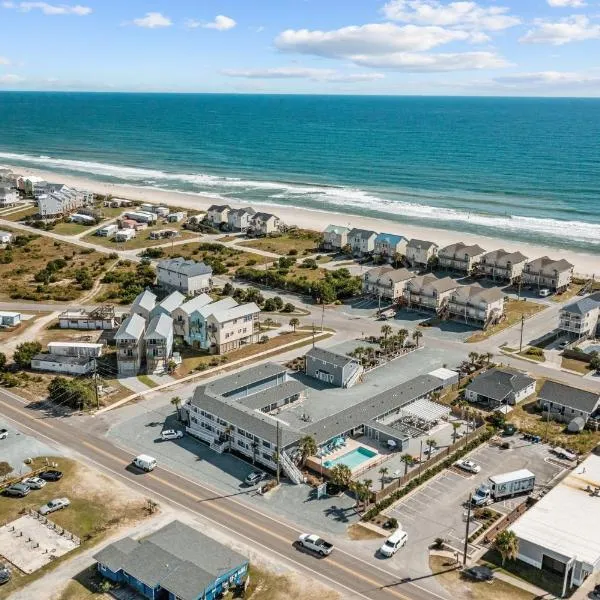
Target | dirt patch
(359,532)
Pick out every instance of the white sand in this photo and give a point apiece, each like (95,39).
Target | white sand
(585,264)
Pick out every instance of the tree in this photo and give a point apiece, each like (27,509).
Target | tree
(25,352)
(2,361)
(73,393)
(473,358)
(294,322)
(385,331)
(264,339)
(383,472)
(269,322)
(455,428)
(176,402)
(288,307)
(171,366)
(366,491)
(308,447)
(270,305)
(417,335)
(507,545)
(407,459)
(340,475)
(431,444)
(488,358)
(278,302)
(595,362)
(227,289)
(347,249)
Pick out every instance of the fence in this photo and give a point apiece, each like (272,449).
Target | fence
(510,518)
(4,483)
(52,525)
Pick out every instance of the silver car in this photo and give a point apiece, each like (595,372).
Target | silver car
(35,483)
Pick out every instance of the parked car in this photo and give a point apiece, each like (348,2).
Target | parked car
(469,466)
(4,573)
(509,429)
(544,293)
(18,490)
(171,434)
(564,344)
(54,505)
(255,477)
(479,573)
(3,434)
(313,542)
(396,541)
(35,483)
(50,475)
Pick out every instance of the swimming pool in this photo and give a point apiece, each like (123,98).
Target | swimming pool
(351,459)
(593,348)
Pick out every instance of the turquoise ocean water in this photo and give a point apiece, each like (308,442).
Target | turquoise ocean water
(520,168)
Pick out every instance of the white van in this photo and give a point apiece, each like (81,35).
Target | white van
(396,541)
(145,462)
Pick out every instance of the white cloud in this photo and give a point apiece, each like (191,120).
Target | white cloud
(302,73)
(4,60)
(221,23)
(549,78)
(422,62)
(575,28)
(50,9)
(462,14)
(152,20)
(566,3)
(11,78)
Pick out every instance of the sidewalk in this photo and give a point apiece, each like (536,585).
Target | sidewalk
(539,593)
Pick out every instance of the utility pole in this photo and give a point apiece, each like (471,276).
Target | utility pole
(313,334)
(96,384)
(522,327)
(421,458)
(322,316)
(278,456)
(467,531)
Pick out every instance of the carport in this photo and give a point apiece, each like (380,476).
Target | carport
(422,415)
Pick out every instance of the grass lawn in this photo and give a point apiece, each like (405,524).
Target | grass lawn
(360,532)
(514,310)
(302,240)
(526,354)
(21,214)
(573,290)
(84,585)
(573,364)
(71,228)
(147,381)
(141,240)
(543,579)
(91,516)
(460,587)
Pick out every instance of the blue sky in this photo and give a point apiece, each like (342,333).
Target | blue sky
(488,47)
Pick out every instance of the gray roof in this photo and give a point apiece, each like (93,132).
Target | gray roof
(339,360)
(243,211)
(337,229)
(172,301)
(145,299)
(209,309)
(265,398)
(565,395)
(195,303)
(545,262)
(62,360)
(512,257)
(263,216)
(497,384)
(476,293)
(362,233)
(189,268)
(462,248)
(581,307)
(132,328)
(420,244)
(219,207)
(244,378)
(160,326)
(371,408)
(235,312)
(180,559)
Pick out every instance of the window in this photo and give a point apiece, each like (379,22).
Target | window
(266,444)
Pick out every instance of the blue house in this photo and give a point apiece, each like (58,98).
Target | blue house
(388,244)
(198,329)
(174,563)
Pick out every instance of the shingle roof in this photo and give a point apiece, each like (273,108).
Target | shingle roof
(421,244)
(476,293)
(145,300)
(195,303)
(172,301)
(219,207)
(545,262)
(512,257)
(273,394)
(189,268)
(337,229)
(132,328)
(581,307)
(59,359)
(390,238)
(236,312)
(499,383)
(362,233)
(263,216)
(243,211)
(339,360)
(161,326)
(462,248)
(209,309)
(565,395)
(244,378)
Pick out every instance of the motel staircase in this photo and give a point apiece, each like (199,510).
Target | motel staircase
(290,469)
(354,377)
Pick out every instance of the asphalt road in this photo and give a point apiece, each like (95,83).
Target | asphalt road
(351,576)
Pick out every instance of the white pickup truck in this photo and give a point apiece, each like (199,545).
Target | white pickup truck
(315,543)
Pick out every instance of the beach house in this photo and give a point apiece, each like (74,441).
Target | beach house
(59,363)
(124,235)
(158,341)
(331,367)
(176,562)
(389,246)
(262,224)
(186,276)
(545,272)
(239,219)
(386,283)
(61,200)
(76,349)
(129,340)
(581,319)
(427,292)
(141,217)
(229,328)
(501,265)
(476,305)
(335,237)
(564,402)
(181,315)
(8,196)
(102,317)
(168,304)
(217,215)
(28,184)
(144,304)
(460,257)
(500,387)
(107,231)
(176,217)
(194,320)
(362,241)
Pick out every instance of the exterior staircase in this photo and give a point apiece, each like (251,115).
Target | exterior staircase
(290,469)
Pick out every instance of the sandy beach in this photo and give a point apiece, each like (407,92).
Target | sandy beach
(585,264)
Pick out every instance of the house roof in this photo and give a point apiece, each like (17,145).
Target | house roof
(390,238)
(337,229)
(581,307)
(243,211)
(512,257)
(208,309)
(421,244)
(364,234)
(444,284)
(219,207)
(497,384)
(545,262)
(273,394)
(195,303)
(462,248)
(339,360)
(59,359)
(161,327)
(263,216)
(476,293)
(565,395)
(172,301)
(189,268)
(145,300)
(244,378)
(132,328)
(235,312)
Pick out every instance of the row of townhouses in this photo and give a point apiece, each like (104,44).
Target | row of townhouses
(8,195)
(462,258)
(246,220)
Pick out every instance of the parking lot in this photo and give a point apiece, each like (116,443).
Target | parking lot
(437,508)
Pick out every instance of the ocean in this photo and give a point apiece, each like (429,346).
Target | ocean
(519,168)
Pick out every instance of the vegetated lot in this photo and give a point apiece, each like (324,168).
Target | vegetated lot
(533,353)
(573,364)
(125,281)
(514,310)
(436,508)
(41,269)
(21,214)
(458,586)
(142,238)
(92,515)
(68,228)
(298,241)
(223,259)
(573,290)
(26,323)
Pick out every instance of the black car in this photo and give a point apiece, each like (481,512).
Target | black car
(50,475)
(509,429)
(4,574)
(479,573)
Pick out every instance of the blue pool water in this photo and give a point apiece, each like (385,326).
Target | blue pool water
(352,459)
(590,349)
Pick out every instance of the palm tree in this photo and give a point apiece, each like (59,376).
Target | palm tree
(407,459)
(228,432)
(176,402)
(417,335)
(488,357)
(294,322)
(354,487)
(365,491)
(431,443)
(383,472)
(308,447)
(385,331)
(455,428)
(341,475)
(473,358)
(254,449)
(268,322)
(507,545)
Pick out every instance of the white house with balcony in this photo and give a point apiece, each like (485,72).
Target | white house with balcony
(186,276)
(239,219)
(548,273)
(501,265)
(158,341)
(581,320)
(217,215)
(388,246)
(129,340)
(460,257)
(427,292)
(8,196)
(386,283)
(362,241)
(262,224)
(335,237)
(420,252)
(477,305)
(230,328)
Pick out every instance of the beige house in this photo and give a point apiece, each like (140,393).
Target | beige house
(129,340)
(264,224)
(387,246)
(545,272)
(217,215)
(460,257)
(428,292)
(477,305)
(335,237)
(362,241)
(239,219)
(386,283)
(502,265)
(230,328)
(420,252)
